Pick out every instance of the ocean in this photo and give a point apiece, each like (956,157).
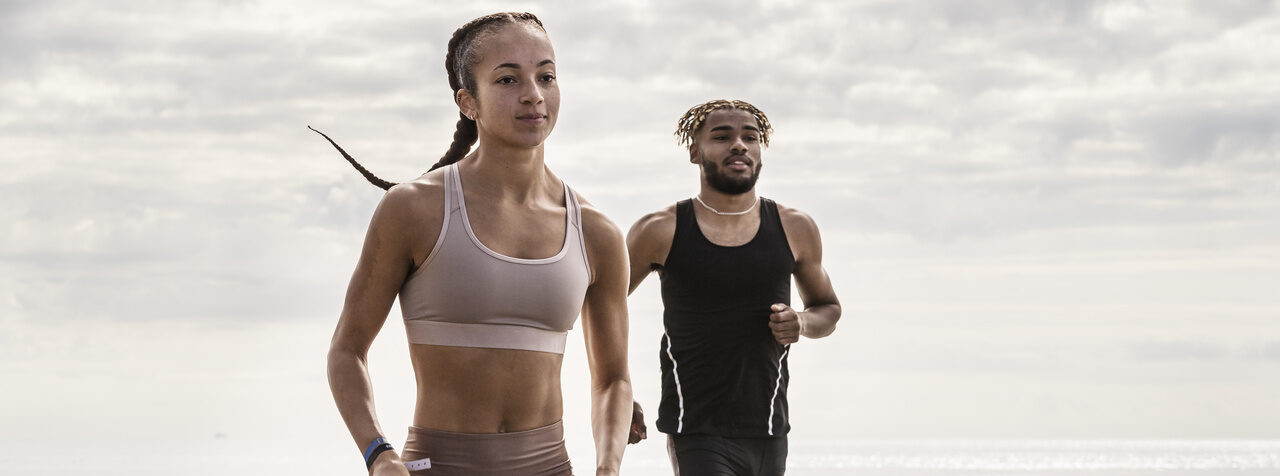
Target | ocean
(226,456)
(1038,457)
(1024,458)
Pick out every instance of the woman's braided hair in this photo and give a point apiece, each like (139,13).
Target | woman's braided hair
(688,125)
(463,54)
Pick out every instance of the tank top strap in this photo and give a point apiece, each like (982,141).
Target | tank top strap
(771,228)
(450,202)
(574,209)
(684,215)
(770,209)
(452,189)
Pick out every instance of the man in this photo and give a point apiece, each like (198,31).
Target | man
(726,258)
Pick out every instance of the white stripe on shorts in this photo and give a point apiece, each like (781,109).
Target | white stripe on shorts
(777,385)
(679,392)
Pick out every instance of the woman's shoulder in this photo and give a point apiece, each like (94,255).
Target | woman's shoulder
(605,247)
(594,221)
(418,201)
(426,189)
(602,235)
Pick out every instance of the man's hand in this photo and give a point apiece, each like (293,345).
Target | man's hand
(638,430)
(785,323)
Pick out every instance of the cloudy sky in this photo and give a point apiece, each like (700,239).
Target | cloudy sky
(1045,219)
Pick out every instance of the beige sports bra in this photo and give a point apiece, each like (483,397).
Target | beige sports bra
(467,295)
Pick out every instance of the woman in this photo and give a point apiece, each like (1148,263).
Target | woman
(493,257)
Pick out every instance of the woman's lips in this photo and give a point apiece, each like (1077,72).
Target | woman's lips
(533,119)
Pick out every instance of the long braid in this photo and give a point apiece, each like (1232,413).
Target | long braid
(464,136)
(462,55)
(465,133)
(363,171)
(688,125)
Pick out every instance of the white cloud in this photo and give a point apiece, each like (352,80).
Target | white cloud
(1002,186)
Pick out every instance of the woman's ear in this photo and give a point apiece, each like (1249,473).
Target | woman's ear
(466,103)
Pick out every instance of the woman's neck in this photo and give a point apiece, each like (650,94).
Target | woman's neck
(516,174)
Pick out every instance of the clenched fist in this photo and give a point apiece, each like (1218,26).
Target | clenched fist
(785,323)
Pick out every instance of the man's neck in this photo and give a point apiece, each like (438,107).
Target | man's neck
(724,204)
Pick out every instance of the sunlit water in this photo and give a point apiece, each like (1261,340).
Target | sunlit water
(1038,457)
(220,456)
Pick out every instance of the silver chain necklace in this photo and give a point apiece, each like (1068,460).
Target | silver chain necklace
(718,212)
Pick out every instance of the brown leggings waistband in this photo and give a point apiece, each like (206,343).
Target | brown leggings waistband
(539,451)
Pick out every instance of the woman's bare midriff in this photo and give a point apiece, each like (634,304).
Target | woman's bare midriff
(477,390)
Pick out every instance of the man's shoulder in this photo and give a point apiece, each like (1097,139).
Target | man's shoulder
(794,217)
(801,229)
(656,221)
(653,228)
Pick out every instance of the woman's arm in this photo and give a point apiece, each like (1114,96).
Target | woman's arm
(384,262)
(604,325)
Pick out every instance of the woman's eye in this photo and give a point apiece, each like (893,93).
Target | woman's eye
(548,78)
(751,139)
(506,80)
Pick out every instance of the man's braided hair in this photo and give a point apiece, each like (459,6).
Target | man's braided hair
(687,127)
(462,56)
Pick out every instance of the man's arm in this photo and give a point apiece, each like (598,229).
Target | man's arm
(648,242)
(821,306)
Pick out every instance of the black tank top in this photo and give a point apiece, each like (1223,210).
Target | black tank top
(723,373)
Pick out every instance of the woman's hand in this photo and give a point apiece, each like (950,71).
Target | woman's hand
(388,464)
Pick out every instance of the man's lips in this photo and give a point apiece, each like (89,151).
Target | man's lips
(738,163)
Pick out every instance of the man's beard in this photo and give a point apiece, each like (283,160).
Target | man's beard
(728,185)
